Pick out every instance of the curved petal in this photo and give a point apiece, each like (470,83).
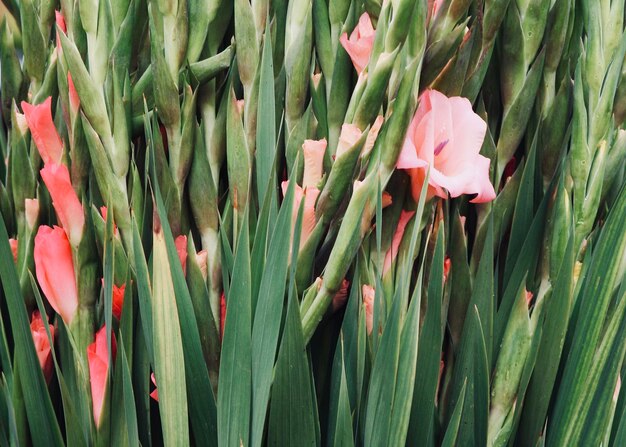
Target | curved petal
(65,201)
(313,161)
(45,135)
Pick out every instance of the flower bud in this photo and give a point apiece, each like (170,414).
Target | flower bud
(65,201)
(98,359)
(42,130)
(42,343)
(54,269)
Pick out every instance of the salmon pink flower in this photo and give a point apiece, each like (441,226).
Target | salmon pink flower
(309,195)
(118,299)
(222,314)
(55,271)
(42,343)
(13,245)
(65,201)
(447,135)
(359,45)
(202,258)
(31,209)
(368,303)
(340,298)
(154,394)
(390,256)
(181,249)
(98,359)
(349,136)
(45,135)
(313,162)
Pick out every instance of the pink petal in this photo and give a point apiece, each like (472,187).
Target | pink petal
(349,136)
(313,161)
(65,201)
(45,135)
(181,249)
(369,295)
(390,256)
(98,360)
(54,269)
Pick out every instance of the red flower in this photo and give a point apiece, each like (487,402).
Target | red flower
(98,359)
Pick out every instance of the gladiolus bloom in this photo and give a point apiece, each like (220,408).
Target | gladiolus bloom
(154,394)
(31,209)
(349,136)
(222,314)
(340,298)
(359,45)
(181,249)
(65,201)
(42,344)
(45,135)
(201,259)
(390,256)
(13,245)
(308,217)
(98,359)
(118,300)
(55,271)
(313,162)
(368,303)
(447,135)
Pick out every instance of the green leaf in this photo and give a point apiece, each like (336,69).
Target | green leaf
(43,424)
(540,388)
(169,361)
(235,381)
(595,297)
(267,318)
(429,352)
(266,121)
(339,418)
(293,412)
(450,438)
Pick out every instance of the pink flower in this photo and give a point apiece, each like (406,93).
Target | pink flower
(359,46)
(372,135)
(368,303)
(447,264)
(13,245)
(65,201)
(98,359)
(340,298)
(31,209)
(201,259)
(55,271)
(118,299)
(390,256)
(349,136)
(313,162)
(308,217)
(45,135)
(181,249)
(42,344)
(60,20)
(103,213)
(447,135)
(154,394)
(73,95)
(222,315)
